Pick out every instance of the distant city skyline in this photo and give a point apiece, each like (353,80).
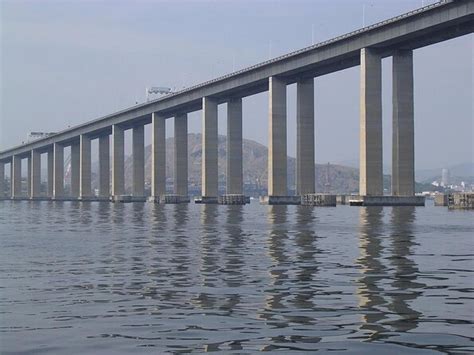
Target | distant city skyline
(72,62)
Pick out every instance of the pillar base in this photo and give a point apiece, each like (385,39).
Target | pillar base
(212,200)
(343,199)
(321,200)
(441,200)
(280,200)
(461,200)
(169,199)
(233,199)
(40,198)
(139,198)
(65,198)
(121,198)
(94,198)
(387,201)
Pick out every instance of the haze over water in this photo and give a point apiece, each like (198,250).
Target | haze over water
(132,278)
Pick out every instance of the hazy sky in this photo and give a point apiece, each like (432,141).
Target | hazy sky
(66,62)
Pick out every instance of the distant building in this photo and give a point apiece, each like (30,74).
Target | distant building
(445,177)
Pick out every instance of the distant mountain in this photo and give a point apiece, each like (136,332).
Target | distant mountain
(342,179)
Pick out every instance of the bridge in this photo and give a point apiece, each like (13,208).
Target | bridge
(397,37)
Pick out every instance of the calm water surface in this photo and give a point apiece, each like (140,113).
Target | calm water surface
(133,278)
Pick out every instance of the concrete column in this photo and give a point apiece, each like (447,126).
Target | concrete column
(181,155)
(16,176)
(2,179)
(403,143)
(371,175)
(35,191)
(305,181)
(104,166)
(158,156)
(234,147)
(85,167)
(58,171)
(209,148)
(138,153)
(277,164)
(28,176)
(118,178)
(75,169)
(50,160)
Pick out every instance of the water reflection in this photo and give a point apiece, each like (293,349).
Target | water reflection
(180,251)
(305,241)
(209,256)
(405,283)
(387,289)
(371,289)
(277,291)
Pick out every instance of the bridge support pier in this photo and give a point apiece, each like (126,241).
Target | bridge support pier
(50,173)
(180,159)
(209,151)
(27,195)
(277,156)
(2,180)
(118,179)
(35,177)
(75,169)
(138,153)
(16,177)
(371,177)
(58,171)
(158,157)
(403,149)
(305,179)
(85,168)
(104,167)
(234,184)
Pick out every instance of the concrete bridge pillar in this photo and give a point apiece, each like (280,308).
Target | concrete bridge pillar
(58,171)
(234,147)
(118,179)
(277,155)
(158,155)
(371,176)
(104,166)
(75,169)
(181,155)
(403,149)
(209,150)
(85,167)
(16,177)
(138,154)
(2,179)
(305,180)
(50,172)
(35,177)
(28,175)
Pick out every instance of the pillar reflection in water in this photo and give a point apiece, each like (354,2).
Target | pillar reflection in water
(157,271)
(234,262)
(209,263)
(308,265)
(407,289)
(277,291)
(370,289)
(180,251)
